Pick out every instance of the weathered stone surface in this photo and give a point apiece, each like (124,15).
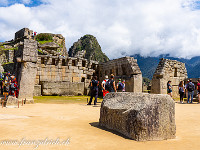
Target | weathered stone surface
(49,45)
(62,88)
(166,70)
(125,68)
(139,116)
(12,102)
(37,90)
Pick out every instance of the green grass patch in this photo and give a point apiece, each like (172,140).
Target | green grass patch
(6,49)
(43,42)
(7,63)
(63,99)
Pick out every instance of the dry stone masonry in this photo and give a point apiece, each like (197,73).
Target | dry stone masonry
(44,67)
(172,70)
(139,116)
(124,68)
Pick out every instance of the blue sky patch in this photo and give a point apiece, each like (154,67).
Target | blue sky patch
(27,3)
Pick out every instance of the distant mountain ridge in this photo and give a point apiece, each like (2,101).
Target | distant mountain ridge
(148,65)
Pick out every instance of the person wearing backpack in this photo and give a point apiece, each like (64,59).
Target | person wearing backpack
(181,91)
(103,84)
(190,89)
(94,90)
(120,86)
(110,84)
(169,88)
(14,87)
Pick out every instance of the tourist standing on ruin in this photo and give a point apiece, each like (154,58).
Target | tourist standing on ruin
(103,84)
(190,87)
(198,89)
(94,90)
(169,88)
(181,91)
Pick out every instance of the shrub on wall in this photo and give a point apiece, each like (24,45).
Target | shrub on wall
(44,37)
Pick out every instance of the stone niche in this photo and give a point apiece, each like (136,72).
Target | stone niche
(139,116)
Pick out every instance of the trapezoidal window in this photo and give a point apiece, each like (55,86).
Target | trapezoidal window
(89,76)
(93,66)
(124,69)
(42,60)
(53,62)
(63,62)
(73,63)
(83,80)
(83,63)
(175,72)
(117,72)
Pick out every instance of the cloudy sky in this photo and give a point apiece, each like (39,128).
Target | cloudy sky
(122,27)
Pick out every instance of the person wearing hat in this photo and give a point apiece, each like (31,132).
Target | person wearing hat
(103,84)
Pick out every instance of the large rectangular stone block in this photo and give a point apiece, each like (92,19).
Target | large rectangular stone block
(139,116)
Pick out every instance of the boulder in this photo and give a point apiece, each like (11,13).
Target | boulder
(12,102)
(139,116)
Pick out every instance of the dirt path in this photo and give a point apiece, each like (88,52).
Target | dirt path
(80,123)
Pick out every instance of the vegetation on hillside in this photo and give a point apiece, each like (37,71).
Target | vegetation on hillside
(92,47)
(44,37)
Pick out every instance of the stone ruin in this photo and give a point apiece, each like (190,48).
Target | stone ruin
(46,69)
(172,70)
(139,116)
(124,68)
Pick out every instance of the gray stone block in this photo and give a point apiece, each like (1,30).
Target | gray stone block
(139,116)
(12,102)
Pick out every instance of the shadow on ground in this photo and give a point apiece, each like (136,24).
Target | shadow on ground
(96,125)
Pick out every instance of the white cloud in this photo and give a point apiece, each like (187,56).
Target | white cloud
(148,27)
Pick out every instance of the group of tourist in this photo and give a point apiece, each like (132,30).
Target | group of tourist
(9,85)
(107,86)
(187,89)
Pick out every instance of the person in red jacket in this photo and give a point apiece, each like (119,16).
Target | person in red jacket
(14,87)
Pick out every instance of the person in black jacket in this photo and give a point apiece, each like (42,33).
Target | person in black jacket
(94,90)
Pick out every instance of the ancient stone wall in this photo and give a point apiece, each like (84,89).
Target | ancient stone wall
(57,75)
(124,68)
(24,33)
(172,70)
(26,68)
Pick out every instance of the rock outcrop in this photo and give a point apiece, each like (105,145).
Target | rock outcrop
(93,50)
(12,102)
(139,116)
(51,44)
